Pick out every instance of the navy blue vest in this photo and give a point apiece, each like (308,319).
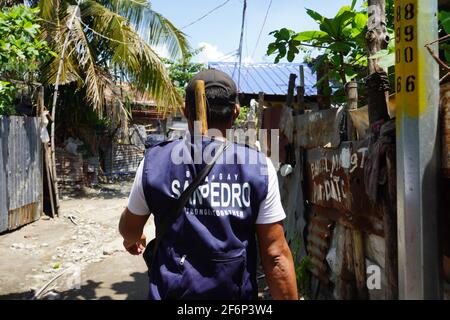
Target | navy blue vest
(210,251)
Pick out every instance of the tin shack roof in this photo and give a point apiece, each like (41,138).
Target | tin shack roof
(270,78)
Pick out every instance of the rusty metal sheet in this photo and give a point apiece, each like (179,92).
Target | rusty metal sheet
(23,215)
(319,128)
(334,178)
(318,243)
(21,166)
(371,224)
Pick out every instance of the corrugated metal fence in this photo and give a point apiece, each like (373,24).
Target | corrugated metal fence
(20,172)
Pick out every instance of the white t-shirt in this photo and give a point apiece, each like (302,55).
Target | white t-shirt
(270,210)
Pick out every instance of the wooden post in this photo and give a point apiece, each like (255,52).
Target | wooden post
(260,111)
(301,93)
(351,89)
(55,99)
(291,88)
(358,245)
(200,105)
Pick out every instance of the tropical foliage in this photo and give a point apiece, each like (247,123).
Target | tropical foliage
(444,24)
(21,51)
(109,41)
(340,41)
(182,70)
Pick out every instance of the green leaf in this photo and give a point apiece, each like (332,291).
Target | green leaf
(335,60)
(312,35)
(28,25)
(343,10)
(444,19)
(342,47)
(319,61)
(360,21)
(290,56)
(315,15)
(284,34)
(350,73)
(353,4)
(447,55)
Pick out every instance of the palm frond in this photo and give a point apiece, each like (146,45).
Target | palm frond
(55,36)
(48,9)
(96,79)
(132,54)
(154,28)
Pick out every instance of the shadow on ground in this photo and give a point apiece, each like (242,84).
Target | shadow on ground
(136,289)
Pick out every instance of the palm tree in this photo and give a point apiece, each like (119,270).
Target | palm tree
(111,40)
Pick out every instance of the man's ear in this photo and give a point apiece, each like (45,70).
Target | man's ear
(236,111)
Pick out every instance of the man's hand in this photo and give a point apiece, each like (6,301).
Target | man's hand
(136,248)
(131,227)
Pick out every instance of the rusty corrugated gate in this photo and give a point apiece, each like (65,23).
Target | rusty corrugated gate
(20,172)
(333,179)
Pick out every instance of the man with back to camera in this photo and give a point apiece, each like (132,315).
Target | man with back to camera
(210,250)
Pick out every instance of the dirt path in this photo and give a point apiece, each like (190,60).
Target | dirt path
(82,247)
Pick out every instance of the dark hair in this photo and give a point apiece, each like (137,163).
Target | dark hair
(219,105)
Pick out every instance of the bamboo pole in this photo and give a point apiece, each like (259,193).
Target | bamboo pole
(351,90)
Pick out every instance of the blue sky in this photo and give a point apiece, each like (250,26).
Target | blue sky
(219,32)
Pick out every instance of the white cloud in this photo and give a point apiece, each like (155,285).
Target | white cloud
(212,53)
(248,59)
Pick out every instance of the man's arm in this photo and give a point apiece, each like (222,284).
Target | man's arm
(277,262)
(131,227)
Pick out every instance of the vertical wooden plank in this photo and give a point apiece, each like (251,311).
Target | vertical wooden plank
(351,90)
(291,88)
(301,92)
(260,111)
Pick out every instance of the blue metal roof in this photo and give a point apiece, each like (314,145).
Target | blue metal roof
(269,78)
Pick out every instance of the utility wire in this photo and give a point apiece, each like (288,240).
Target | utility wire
(205,15)
(101,35)
(241,42)
(262,28)
(228,55)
